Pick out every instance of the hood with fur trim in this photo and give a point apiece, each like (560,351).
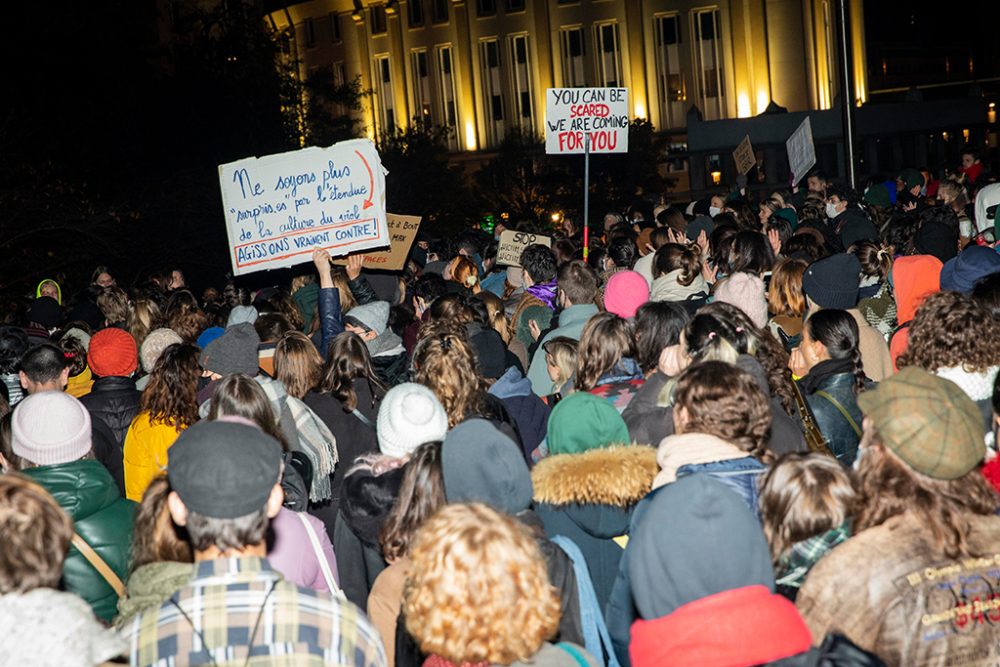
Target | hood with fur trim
(619,476)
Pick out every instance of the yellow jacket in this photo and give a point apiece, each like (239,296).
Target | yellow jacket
(146,446)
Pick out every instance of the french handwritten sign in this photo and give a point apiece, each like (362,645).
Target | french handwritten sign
(801,151)
(744,156)
(513,243)
(280,208)
(402,231)
(575,115)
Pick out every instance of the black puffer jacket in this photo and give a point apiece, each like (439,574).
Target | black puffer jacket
(115,401)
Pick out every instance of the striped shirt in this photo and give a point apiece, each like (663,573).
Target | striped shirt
(211,621)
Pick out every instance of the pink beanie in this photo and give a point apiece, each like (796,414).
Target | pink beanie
(50,427)
(625,292)
(746,292)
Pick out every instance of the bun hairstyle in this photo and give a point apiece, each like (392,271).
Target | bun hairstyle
(674,256)
(875,259)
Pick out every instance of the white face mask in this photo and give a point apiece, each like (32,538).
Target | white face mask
(714,211)
(831,210)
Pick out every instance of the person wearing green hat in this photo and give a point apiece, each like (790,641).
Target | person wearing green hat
(915,584)
(588,486)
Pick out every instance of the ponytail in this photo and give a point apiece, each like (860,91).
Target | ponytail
(839,333)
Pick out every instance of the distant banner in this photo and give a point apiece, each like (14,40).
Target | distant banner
(402,230)
(801,151)
(575,115)
(280,208)
(744,156)
(513,243)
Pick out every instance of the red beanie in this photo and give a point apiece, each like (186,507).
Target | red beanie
(112,353)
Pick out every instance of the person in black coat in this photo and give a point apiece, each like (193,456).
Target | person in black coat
(113,358)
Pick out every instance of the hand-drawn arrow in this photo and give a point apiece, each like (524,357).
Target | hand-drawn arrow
(371,182)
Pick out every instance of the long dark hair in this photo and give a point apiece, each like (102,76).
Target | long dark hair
(658,324)
(421,494)
(348,361)
(838,332)
(171,397)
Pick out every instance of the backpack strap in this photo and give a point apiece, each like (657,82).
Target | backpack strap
(569,648)
(843,411)
(99,564)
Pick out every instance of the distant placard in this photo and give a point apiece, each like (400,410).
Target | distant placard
(513,243)
(801,152)
(280,208)
(573,115)
(744,156)
(402,231)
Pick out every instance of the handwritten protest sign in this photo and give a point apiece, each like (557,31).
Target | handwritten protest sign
(574,114)
(744,156)
(402,231)
(513,243)
(801,152)
(280,208)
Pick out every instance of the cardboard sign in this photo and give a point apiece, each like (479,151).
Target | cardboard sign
(280,208)
(402,231)
(744,156)
(574,116)
(512,244)
(801,152)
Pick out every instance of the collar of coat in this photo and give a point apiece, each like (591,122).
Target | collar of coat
(620,476)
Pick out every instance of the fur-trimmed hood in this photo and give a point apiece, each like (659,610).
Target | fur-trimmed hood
(619,476)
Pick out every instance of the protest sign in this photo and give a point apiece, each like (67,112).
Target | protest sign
(744,156)
(801,152)
(280,208)
(573,115)
(513,243)
(402,231)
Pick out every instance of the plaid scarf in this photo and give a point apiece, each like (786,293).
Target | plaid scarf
(794,564)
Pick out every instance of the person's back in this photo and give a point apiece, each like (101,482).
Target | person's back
(113,398)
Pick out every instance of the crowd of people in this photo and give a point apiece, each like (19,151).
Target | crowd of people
(746,431)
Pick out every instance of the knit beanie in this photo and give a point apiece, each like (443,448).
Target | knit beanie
(373,316)
(961,273)
(112,353)
(409,416)
(80,335)
(788,215)
(927,421)
(746,292)
(625,292)
(878,195)
(480,464)
(833,281)
(241,314)
(514,276)
(583,421)
(50,427)
(156,342)
(208,335)
(235,351)
(937,239)
(697,226)
(45,311)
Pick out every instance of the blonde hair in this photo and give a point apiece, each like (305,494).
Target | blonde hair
(347,300)
(496,313)
(445,364)
(803,495)
(562,351)
(475,571)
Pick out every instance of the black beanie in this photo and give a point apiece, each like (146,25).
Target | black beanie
(937,239)
(833,282)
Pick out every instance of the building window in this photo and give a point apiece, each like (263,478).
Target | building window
(520,59)
(378,20)
(573,53)
(708,70)
(447,92)
(421,86)
(439,11)
(514,5)
(416,12)
(339,80)
(489,62)
(335,27)
(608,55)
(669,77)
(383,94)
(309,32)
(486,7)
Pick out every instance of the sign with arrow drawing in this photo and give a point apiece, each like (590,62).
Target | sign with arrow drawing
(280,208)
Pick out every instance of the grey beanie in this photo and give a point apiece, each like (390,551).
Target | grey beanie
(235,351)
(373,316)
(481,464)
(241,314)
(156,342)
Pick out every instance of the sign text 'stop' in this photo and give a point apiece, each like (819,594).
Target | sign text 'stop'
(576,116)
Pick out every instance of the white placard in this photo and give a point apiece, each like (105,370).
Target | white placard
(513,243)
(280,208)
(572,115)
(744,157)
(801,152)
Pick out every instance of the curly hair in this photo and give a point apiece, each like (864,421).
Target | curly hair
(445,363)
(36,534)
(951,329)
(605,340)
(114,304)
(725,401)
(171,397)
(474,570)
(184,316)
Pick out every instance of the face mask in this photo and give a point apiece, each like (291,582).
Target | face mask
(831,210)
(714,211)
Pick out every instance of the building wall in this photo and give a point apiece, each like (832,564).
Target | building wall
(483,65)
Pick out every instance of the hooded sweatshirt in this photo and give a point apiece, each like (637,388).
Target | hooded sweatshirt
(913,279)
(667,288)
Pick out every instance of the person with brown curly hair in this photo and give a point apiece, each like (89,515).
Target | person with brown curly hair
(460,597)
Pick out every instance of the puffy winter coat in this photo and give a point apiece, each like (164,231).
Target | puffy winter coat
(146,448)
(115,401)
(85,490)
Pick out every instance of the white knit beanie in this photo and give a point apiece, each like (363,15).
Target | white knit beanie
(409,416)
(50,427)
